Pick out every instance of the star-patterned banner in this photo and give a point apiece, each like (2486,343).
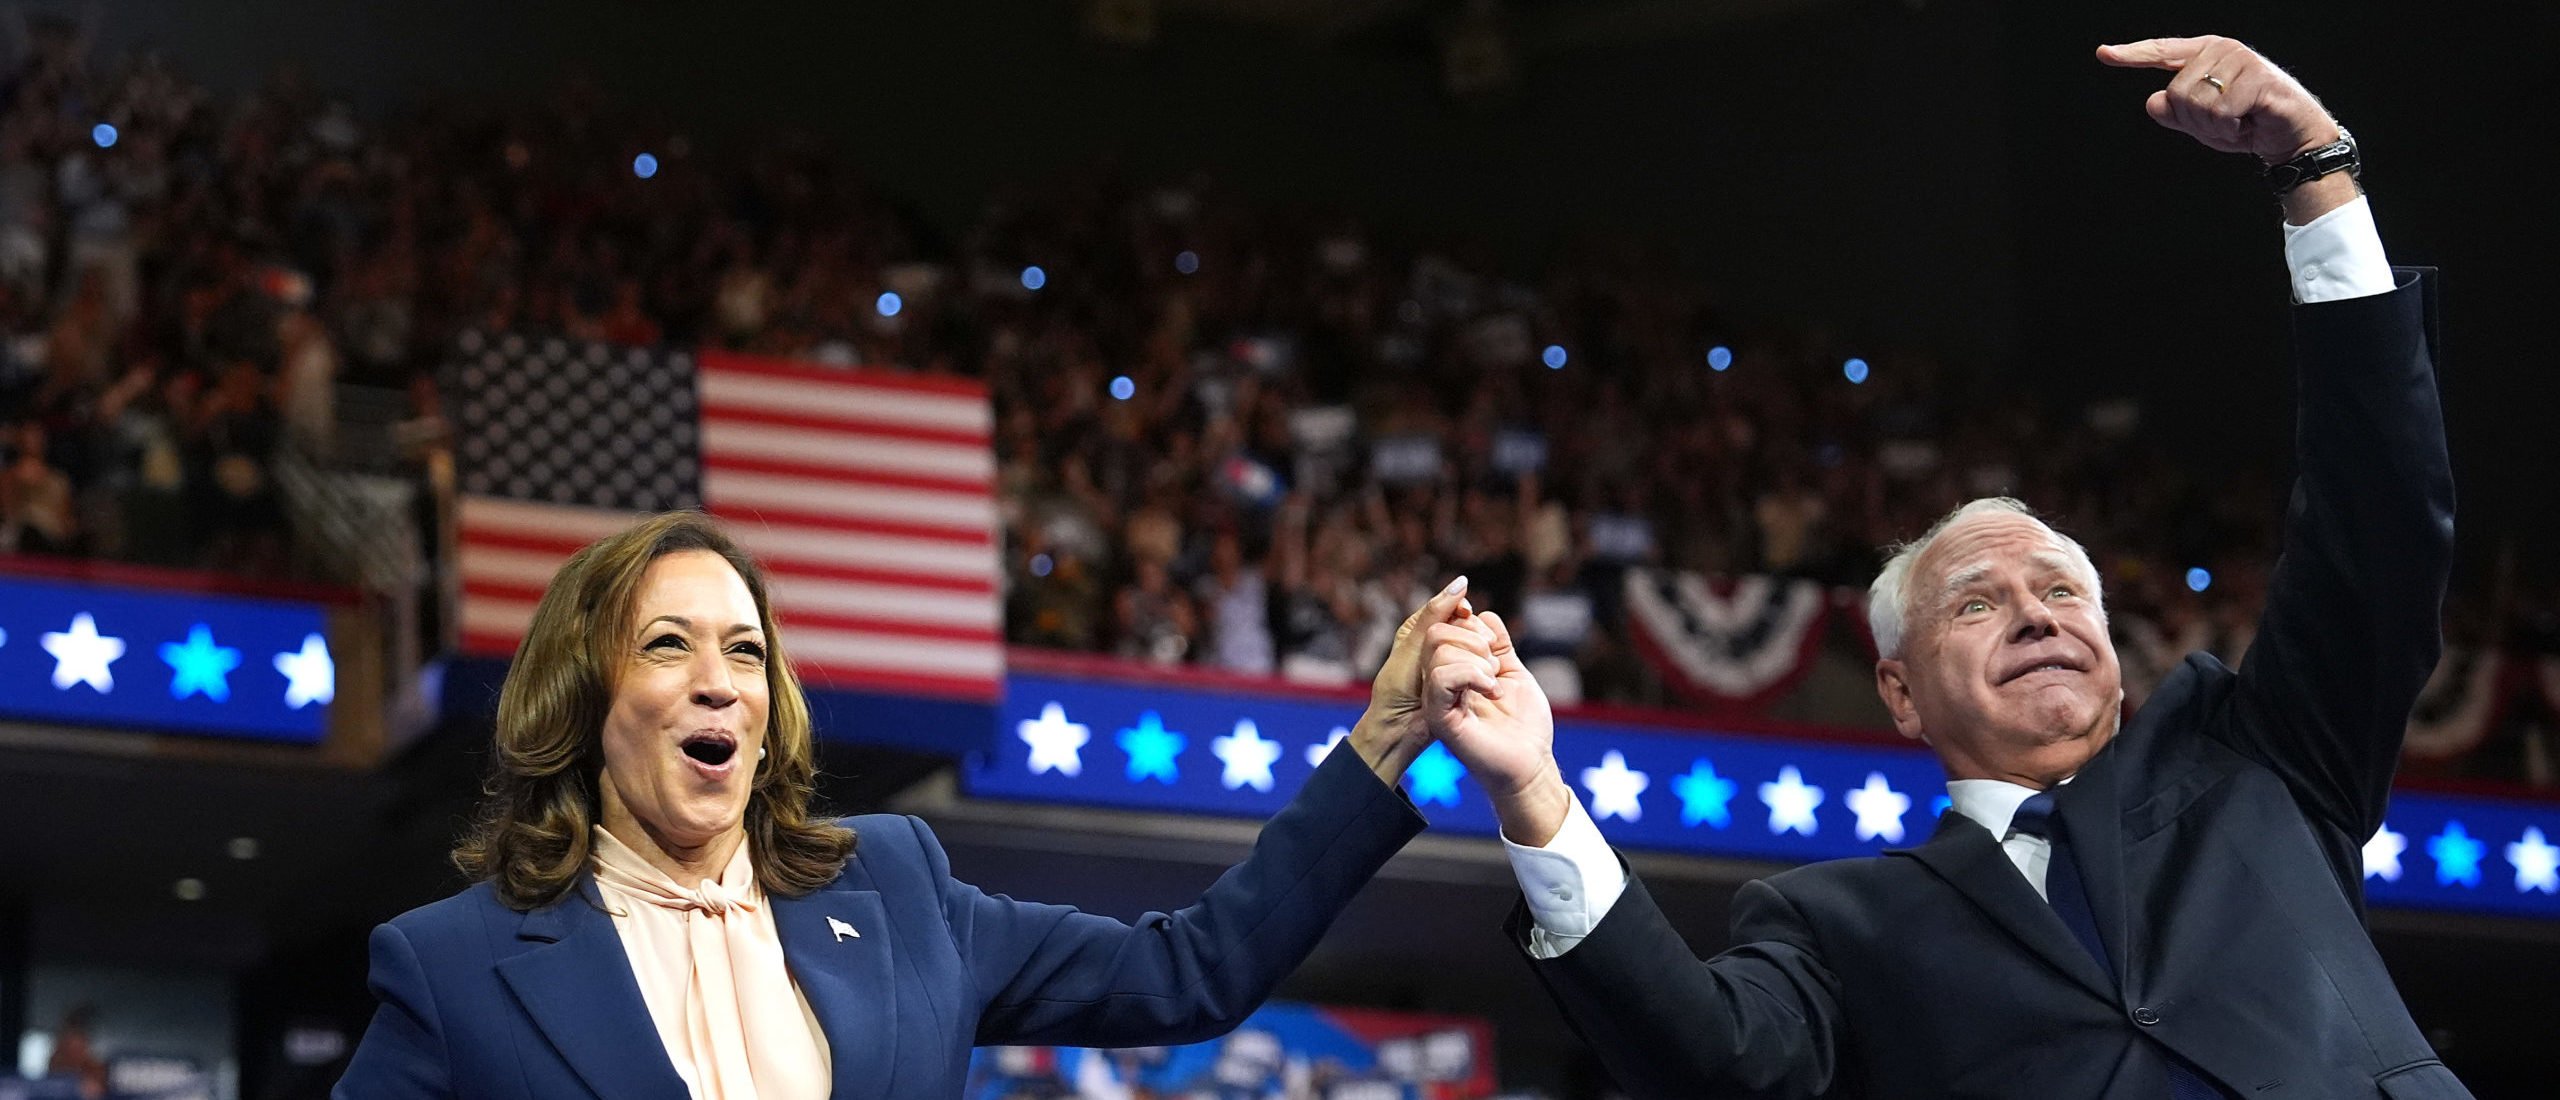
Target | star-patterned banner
(2477,854)
(102,655)
(1700,792)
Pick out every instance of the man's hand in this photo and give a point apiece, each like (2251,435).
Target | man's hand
(2230,98)
(1479,700)
(1391,732)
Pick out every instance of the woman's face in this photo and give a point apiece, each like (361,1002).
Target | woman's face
(688,720)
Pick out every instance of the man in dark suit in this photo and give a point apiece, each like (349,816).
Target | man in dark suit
(2169,906)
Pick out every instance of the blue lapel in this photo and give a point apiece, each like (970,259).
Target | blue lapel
(851,982)
(580,992)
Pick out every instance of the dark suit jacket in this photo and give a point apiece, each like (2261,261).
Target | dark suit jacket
(2220,835)
(479,1000)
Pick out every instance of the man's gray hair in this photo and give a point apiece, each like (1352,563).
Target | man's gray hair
(1889,598)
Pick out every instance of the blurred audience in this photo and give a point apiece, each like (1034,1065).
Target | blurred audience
(1229,434)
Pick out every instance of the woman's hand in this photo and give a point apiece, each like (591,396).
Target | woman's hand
(1391,732)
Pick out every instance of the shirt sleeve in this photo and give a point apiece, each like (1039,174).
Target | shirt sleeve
(2339,255)
(1569,884)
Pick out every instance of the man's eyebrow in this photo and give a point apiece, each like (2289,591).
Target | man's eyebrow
(2055,560)
(1963,579)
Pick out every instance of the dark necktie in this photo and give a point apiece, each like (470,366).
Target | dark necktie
(2070,900)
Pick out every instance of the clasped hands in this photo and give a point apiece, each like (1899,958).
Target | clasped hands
(1454,676)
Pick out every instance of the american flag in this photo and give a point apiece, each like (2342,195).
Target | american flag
(868,496)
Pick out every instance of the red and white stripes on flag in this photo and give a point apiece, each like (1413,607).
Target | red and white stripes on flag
(868,496)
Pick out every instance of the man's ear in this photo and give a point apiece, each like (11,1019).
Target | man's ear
(1894,687)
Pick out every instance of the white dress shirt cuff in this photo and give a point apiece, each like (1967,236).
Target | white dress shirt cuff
(1569,884)
(2338,255)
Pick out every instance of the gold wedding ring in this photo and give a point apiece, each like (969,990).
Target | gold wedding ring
(2218,85)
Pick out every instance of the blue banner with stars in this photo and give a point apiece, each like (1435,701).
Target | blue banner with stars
(101,655)
(1192,750)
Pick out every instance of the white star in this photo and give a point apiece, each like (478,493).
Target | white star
(1879,808)
(1614,788)
(1248,756)
(1790,802)
(311,677)
(1321,749)
(2537,863)
(81,656)
(2382,854)
(1054,741)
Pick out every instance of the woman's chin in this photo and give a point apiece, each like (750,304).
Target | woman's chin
(698,825)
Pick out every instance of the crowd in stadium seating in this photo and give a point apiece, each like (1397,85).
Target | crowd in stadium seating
(1231,434)
(155,348)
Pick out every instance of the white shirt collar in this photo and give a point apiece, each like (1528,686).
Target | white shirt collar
(1989,802)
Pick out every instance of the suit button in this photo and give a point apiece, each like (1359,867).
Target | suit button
(2145,1016)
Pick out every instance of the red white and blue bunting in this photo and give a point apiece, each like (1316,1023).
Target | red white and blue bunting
(1726,643)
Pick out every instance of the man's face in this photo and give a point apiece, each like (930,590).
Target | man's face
(2006,669)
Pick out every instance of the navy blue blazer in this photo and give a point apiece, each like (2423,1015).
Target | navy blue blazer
(2219,835)
(479,1000)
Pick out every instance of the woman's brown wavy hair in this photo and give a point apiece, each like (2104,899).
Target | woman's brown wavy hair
(535,825)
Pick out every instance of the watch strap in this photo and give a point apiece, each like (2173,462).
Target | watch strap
(2337,156)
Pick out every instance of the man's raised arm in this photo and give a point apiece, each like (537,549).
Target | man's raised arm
(2351,628)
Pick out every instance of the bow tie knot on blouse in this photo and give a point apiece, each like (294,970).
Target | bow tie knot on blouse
(711,970)
(707,897)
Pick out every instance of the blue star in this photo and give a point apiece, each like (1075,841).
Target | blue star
(1433,776)
(1703,795)
(2457,856)
(199,665)
(1151,749)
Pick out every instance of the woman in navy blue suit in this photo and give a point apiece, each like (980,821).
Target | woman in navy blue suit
(659,915)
